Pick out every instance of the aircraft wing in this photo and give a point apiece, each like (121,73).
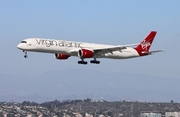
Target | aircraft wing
(111,49)
(105,49)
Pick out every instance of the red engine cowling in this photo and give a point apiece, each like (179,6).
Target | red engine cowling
(83,53)
(61,56)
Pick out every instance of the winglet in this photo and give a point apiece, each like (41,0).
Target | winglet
(145,45)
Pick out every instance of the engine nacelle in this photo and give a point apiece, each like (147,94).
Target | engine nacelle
(61,56)
(84,53)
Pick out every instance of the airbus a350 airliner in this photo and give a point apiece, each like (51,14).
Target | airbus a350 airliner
(64,49)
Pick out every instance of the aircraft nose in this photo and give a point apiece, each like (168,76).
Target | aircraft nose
(19,46)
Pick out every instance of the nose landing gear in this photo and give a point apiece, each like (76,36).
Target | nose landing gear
(25,52)
(25,56)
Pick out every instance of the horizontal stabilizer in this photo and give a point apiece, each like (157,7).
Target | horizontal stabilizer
(152,52)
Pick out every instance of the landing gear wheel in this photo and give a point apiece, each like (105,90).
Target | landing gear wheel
(82,62)
(85,63)
(25,56)
(25,52)
(95,62)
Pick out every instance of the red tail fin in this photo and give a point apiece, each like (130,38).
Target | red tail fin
(145,45)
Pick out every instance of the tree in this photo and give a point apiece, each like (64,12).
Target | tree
(110,114)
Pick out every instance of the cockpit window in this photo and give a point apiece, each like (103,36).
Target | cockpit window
(23,41)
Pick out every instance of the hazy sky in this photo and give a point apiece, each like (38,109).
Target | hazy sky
(100,21)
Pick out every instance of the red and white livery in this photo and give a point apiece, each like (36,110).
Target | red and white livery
(62,49)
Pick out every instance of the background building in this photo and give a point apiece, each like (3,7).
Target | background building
(172,114)
(151,115)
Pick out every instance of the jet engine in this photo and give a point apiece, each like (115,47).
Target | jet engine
(84,53)
(61,56)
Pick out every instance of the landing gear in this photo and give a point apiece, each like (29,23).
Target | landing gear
(82,62)
(25,52)
(85,62)
(95,61)
(25,56)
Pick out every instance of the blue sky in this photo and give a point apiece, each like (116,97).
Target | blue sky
(103,21)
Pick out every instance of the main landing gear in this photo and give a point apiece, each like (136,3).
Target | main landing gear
(25,52)
(92,61)
(95,61)
(82,62)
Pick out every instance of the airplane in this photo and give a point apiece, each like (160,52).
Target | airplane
(62,49)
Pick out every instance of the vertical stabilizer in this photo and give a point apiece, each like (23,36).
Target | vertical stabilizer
(145,45)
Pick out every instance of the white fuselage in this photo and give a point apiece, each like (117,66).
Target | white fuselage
(70,47)
(62,49)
